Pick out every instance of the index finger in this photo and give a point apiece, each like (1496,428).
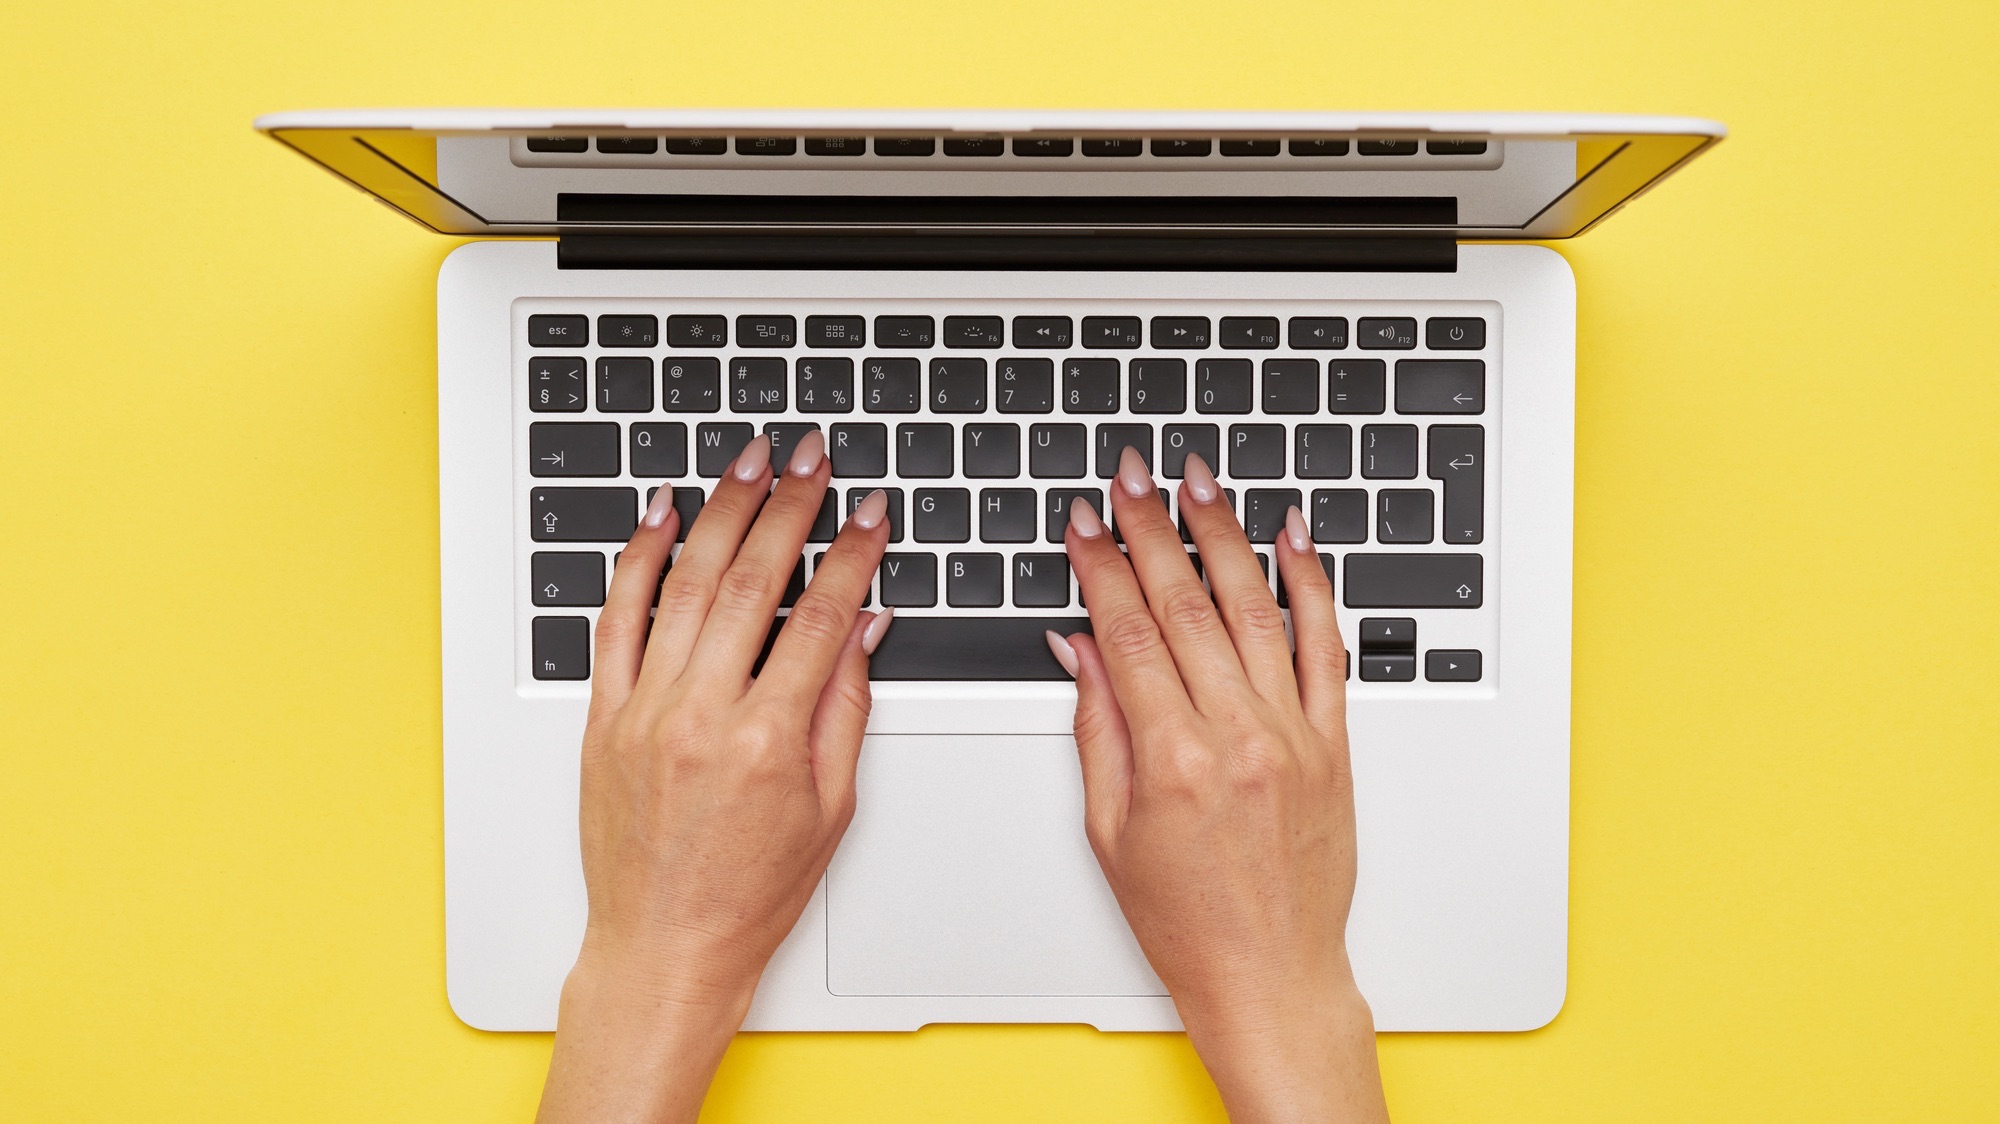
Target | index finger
(811,642)
(1143,676)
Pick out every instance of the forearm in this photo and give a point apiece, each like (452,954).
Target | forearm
(1310,1059)
(626,1051)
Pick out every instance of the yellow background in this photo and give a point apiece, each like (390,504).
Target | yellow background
(220,889)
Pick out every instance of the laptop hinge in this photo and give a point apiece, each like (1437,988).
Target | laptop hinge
(1098,250)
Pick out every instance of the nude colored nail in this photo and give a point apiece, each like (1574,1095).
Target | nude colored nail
(807,457)
(1084,518)
(871,637)
(663,502)
(753,460)
(1133,475)
(869,513)
(1065,655)
(1200,482)
(1295,530)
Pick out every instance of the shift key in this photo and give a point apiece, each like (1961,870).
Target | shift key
(583,514)
(1414,581)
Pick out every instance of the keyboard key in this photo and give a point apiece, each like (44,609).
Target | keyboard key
(1386,148)
(974,331)
(1388,667)
(1323,452)
(767,146)
(757,386)
(628,146)
(697,146)
(716,445)
(859,449)
(795,588)
(1114,146)
(1224,386)
(1291,386)
(1389,452)
(561,648)
(785,437)
(628,331)
(1055,508)
(1090,386)
(825,384)
(890,386)
(1339,515)
(1159,386)
(1257,452)
(691,386)
(558,331)
(905,146)
(1058,452)
(904,331)
(1455,333)
(567,578)
(1325,564)
(582,514)
(1440,386)
(1317,333)
(688,501)
(1264,512)
(975,581)
(1452,665)
(923,450)
(836,146)
(1007,515)
(1024,386)
(697,331)
(573,449)
(941,515)
(659,449)
(1250,147)
(962,649)
(556,385)
(1357,386)
(826,522)
(836,331)
(909,580)
(1177,441)
(1249,332)
(1392,333)
(1187,536)
(625,384)
(1041,331)
(975,146)
(1404,515)
(1041,581)
(1044,146)
(895,497)
(867,597)
(1111,332)
(1388,634)
(1111,443)
(1458,457)
(1180,332)
(558,144)
(1412,581)
(958,386)
(991,450)
(1301,146)
(1165,146)
(767,331)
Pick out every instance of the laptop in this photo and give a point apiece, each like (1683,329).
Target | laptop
(982,309)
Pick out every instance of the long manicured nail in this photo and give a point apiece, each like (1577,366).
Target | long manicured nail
(871,637)
(1133,475)
(869,513)
(807,457)
(753,460)
(1295,530)
(1064,654)
(663,502)
(1200,482)
(1084,518)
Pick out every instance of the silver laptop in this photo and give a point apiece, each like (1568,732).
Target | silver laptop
(982,309)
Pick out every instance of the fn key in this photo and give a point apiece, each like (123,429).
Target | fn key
(562,648)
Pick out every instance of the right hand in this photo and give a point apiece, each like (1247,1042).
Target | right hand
(1217,793)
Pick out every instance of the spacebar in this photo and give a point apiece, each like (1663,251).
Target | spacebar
(962,648)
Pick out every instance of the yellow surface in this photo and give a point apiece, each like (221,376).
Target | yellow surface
(220,878)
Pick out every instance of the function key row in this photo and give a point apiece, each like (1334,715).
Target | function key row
(1043,333)
(975,146)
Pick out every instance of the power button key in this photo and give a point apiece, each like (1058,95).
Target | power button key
(1455,333)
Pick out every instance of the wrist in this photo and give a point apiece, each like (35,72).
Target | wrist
(1304,1051)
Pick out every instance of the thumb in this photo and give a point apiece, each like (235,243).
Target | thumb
(1103,741)
(840,718)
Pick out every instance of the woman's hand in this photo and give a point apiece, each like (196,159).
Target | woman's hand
(1217,792)
(712,801)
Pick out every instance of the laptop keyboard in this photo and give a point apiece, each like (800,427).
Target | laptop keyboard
(984,424)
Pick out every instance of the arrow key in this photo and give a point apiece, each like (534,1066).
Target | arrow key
(561,577)
(1452,665)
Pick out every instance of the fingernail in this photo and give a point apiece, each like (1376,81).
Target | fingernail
(1200,482)
(811,451)
(1295,530)
(1133,475)
(1084,518)
(753,460)
(871,637)
(1065,655)
(868,514)
(663,502)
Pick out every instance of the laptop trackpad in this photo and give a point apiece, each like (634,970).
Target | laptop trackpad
(966,872)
